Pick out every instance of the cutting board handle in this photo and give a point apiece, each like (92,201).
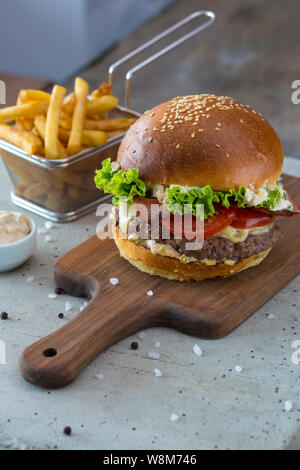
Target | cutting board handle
(57,359)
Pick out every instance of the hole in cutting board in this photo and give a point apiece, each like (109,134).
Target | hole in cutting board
(50,352)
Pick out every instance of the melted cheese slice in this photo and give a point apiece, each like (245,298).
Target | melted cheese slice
(236,235)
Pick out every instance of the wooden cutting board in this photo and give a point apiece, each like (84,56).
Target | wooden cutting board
(208,309)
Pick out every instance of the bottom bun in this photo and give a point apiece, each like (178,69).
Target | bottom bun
(175,270)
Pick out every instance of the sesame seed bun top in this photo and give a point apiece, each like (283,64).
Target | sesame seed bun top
(203,139)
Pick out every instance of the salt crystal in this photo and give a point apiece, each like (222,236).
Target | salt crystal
(48,238)
(153,355)
(288,405)
(238,368)
(150,292)
(52,296)
(141,335)
(157,373)
(30,279)
(197,350)
(157,344)
(174,417)
(49,225)
(68,306)
(99,376)
(81,308)
(114,281)
(270,316)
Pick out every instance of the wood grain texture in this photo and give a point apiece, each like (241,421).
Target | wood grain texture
(208,309)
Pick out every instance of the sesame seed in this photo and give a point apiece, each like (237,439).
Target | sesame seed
(193,135)
(150,139)
(241,120)
(218,146)
(227,155)
(152,114)
(178,146)
(200,130)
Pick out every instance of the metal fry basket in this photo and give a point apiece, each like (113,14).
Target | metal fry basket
(63,190)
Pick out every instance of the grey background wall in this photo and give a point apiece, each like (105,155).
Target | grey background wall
(55,38)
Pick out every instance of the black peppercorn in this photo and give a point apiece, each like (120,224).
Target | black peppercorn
(59,291)
(68,430)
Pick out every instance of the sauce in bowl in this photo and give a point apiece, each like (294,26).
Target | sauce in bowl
(13,227)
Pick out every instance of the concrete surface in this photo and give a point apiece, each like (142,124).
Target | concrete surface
(250,53)
(117,402)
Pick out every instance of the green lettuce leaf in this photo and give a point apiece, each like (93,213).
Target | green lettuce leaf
(238,196)
(126,184)
(178,197)
(274,196)
(120,183)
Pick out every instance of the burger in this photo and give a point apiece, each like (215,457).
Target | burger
(196,151)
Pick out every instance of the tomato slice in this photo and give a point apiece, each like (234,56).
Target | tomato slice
(251,218)
(235,217)
(212,225)
(219,221)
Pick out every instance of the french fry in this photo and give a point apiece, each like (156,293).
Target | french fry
(69,103)
(112,134)
(65,122)
(94,138)
(104,89)
(28,124)
(89,138)
(19,121)
(34,95)
(35,191)
(23,110)
(109,124)
(48,123)
(102,104)
(81,88)
(25,140)
(40,124)
(52,123)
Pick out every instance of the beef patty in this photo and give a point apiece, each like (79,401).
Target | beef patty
(220,248)
(215,248)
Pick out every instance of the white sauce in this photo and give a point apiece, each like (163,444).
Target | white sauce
(254,197)
(13,227)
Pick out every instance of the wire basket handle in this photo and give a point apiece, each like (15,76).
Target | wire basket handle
(211,18)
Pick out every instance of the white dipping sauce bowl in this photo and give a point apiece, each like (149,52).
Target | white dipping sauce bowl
(14,254)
